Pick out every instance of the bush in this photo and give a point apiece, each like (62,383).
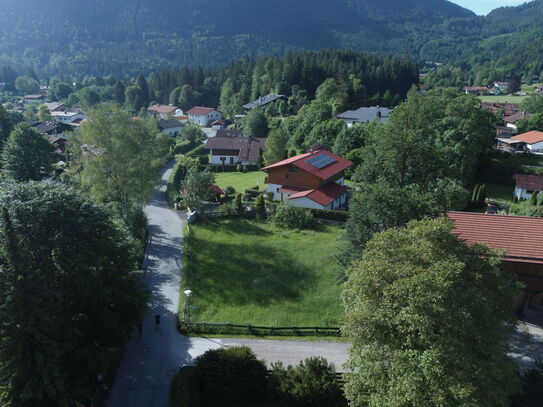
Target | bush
(312,383)
(238,205)
(260,207)
(292,217)
(183,147)
(239,168)
(231,375)
(185,388)
(230,190)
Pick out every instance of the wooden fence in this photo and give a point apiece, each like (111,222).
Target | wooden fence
(204,327)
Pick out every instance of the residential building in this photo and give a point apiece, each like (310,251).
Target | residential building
(526,185)
(508,109)
(52,128)
(504,132)
(224,150)
(55,107)
(365,115)
(501,87)
(38,98)
(170,127)
(476,90)
(68,117)
(311,180)
(263,101)
(518,236)
(511,121)
(162,111)
(202,116)
(218,125)
(532,141)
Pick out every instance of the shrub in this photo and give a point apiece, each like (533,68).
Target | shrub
(269,196)
(339,216)
(533,199)
(238,168)
(230,190)
(185,388)
(239,205)
(231,375)
(260,207)
(183,147)
(292,217)
(312,383)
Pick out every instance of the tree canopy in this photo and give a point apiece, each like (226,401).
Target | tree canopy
(429,319)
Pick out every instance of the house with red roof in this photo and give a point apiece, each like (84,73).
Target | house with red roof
(162,111)
(202,116)
(527,184)
(518,236)
(311,180)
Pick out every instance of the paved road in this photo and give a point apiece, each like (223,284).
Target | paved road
(143,378)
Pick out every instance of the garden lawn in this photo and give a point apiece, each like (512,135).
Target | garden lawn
(499,192)
(251,272)
(240,180)
(502,99)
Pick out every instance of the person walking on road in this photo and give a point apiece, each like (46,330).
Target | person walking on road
(157,321)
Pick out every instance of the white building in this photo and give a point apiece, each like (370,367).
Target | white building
(67,117)
(170,127)
(533,141)
(526,185)
(162,111)
(202,116)
(234,149)
(365,115)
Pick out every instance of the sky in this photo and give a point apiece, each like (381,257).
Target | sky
(483,7)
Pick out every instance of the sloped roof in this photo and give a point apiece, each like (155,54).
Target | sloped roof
(517,116)
(201,111)
(530,137)
(162,109)
(526,181)
(168,124)
(248,148)
(263,101)
(301,161)
(519,236)
(51,127)
(324,195)
(367,114)
(229,133)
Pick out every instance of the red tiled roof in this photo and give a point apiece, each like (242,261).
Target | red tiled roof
(217,190)
(200,111)
(162,109)
(533,182)
(300,161)
(530,137)
(519,236)
(218,122)
(324,195)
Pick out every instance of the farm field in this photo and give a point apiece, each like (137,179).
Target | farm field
(251,272)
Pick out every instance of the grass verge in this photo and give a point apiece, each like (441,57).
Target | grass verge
(240,180)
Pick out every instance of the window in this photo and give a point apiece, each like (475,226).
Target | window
(231,160)
(293,170)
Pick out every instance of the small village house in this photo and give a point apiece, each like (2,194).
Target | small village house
(202,116)
(218,125)
(511,121)
(365,115)
(68,117)
(476,90)
(55,107)
(234,149)
(37,98)
(311,180)
(531,142)
(508,109)
(263,101)
(518,236)
(170,127)
(526,185)
(162,111)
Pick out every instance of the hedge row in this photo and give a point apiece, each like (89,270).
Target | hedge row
(183,147)
(185,388)
(232,168)
(339,216)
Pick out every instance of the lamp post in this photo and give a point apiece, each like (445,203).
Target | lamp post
(186,306)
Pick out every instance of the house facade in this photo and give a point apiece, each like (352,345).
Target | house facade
(531,141)
(38,98)
(202,116)
(228,150)
(67,117)
(365,115)
(518,236)
(170,127)
(311,180)
(526,185)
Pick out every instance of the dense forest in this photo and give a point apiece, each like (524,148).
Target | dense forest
(139,36)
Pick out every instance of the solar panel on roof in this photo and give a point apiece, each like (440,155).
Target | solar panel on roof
(321,161)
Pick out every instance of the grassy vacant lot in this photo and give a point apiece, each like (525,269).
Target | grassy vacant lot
(250,272)
(240,180)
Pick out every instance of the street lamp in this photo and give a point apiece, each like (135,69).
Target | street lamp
(186,306)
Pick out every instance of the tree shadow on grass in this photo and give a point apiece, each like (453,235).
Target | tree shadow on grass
(242,274)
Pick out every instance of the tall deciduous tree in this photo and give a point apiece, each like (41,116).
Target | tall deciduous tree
(118,157)
(255,124)
(429,319)
(276,146)
(6,124)
(67,294)
(27,154)
(196,188)
(44,115)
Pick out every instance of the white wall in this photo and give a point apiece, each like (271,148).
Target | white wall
(535,147)
(522,193)
(68,118)
(172,132)
(305,202)
(216,159)
(204,120)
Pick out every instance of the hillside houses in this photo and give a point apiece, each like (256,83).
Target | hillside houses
(162,111)
(203,116)
(230,148)
(365,115)
(311,180)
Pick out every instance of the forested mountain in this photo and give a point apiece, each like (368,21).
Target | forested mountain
(135,36)
(120,37)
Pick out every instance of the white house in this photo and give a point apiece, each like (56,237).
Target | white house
(217,125)
(526,185)
(234,149)
(170,127)
(532,140)
(67,117)
(202,116)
